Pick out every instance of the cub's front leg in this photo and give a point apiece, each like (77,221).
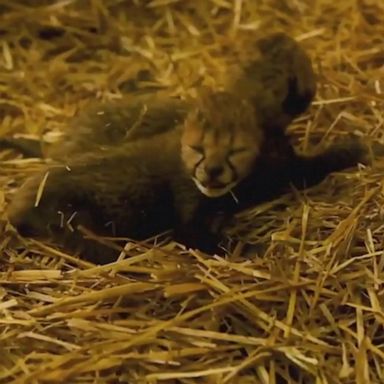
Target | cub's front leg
(195,219)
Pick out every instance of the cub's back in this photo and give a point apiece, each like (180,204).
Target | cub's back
(110,124)
(130,187)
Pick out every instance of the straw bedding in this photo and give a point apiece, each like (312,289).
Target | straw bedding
(302,304)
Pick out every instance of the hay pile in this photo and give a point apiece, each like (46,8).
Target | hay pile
(305,306)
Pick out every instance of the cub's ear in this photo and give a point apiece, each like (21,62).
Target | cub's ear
(274,41)
(298,81)
(299,97)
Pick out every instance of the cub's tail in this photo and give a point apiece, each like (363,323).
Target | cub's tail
(29,148)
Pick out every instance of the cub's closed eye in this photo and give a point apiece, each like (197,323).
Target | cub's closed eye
(237,151)
(197,148)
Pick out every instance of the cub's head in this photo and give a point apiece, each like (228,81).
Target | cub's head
(220,142)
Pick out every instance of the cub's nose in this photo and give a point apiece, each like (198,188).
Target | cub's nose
(214,171)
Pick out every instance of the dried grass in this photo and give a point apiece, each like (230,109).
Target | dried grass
(306,303)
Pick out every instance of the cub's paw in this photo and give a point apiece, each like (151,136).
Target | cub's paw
(354,150)
(201,240)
